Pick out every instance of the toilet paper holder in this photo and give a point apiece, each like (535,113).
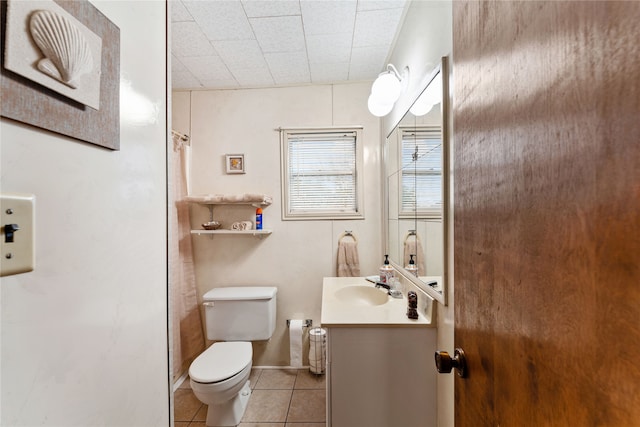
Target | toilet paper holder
(306,324)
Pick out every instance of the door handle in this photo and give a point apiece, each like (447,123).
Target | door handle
(445,363)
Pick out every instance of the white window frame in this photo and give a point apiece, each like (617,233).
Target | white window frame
(319,213)
(434,211)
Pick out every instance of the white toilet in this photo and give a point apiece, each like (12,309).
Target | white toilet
(220,375)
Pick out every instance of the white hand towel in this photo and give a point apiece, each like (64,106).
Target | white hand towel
(257,198)
(205,198)
(348,262)
(236,226)
(232,198)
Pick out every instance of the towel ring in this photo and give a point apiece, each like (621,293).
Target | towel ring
(348,233)
(411,233)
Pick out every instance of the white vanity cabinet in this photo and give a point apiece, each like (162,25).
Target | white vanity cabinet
(381,377)
(380,365)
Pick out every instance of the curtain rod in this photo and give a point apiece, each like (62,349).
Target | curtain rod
(182,136)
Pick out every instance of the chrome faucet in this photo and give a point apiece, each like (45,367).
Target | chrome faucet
(394,293)
(383,285)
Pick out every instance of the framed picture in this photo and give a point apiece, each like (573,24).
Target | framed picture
(235,163)
(78,96)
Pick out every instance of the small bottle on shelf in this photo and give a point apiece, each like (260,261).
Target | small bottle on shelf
(259,219)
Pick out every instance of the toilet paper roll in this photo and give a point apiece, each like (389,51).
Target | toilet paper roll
(317,334)
(317,350)
(295,343)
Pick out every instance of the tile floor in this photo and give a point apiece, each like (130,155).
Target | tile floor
(279,398)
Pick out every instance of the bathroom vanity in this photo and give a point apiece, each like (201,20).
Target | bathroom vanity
(379,363)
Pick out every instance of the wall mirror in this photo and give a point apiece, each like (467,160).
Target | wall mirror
(416,187)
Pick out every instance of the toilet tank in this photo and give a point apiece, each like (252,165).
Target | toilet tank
(240,313)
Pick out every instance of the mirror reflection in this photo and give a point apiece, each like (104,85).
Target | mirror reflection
(415,189)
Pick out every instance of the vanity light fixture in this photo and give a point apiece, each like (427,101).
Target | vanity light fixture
(386,90)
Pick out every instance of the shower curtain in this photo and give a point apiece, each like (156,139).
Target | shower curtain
(188,336)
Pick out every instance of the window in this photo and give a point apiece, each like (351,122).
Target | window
(320,173)
(421,172)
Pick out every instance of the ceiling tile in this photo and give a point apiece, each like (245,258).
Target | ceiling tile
(257,77)
(329,73)
(184,80)
(326,17)
(376,28)
(188,40)
(179,12)
(380,4)
(221,20)
(367,62)
(280,34)
(240,53)
(176,65)
(263,8)
(262,43)
(207,68)
(287,68)
(329,48)
(220,84)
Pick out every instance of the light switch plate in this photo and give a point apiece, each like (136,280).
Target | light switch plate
(17,256)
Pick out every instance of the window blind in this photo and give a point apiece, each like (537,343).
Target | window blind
(321,175)
(422,172)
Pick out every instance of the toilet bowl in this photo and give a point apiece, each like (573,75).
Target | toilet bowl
(219,378)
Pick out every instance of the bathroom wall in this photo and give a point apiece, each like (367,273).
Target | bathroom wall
(84,336)
(426,36)
(298,254)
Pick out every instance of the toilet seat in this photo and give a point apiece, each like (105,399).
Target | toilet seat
(221,361)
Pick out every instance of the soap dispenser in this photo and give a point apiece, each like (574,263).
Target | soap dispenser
(412,267)
(386,271)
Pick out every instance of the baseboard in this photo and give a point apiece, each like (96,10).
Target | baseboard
(180,380)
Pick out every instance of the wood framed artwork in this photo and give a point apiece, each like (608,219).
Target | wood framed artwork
(61,69)
(235,163)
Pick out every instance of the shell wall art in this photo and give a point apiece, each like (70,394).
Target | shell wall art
(46,44)
(67,53)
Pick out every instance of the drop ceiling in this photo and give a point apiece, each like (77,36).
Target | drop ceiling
(218,44)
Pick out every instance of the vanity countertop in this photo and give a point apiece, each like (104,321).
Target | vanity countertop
(338,312)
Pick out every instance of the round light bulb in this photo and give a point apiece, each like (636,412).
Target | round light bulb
(378,108)
(434,91)
(420,107)
(386,88)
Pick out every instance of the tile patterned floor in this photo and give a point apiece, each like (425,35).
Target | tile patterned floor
(279,398)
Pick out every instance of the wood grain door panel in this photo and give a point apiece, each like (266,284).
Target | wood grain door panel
(546,116)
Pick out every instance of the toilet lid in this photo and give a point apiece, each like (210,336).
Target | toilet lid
(221,361)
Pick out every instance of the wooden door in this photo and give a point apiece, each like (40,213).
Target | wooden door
(546,116)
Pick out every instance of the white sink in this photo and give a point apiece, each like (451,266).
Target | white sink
(355,302)
(362,295)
